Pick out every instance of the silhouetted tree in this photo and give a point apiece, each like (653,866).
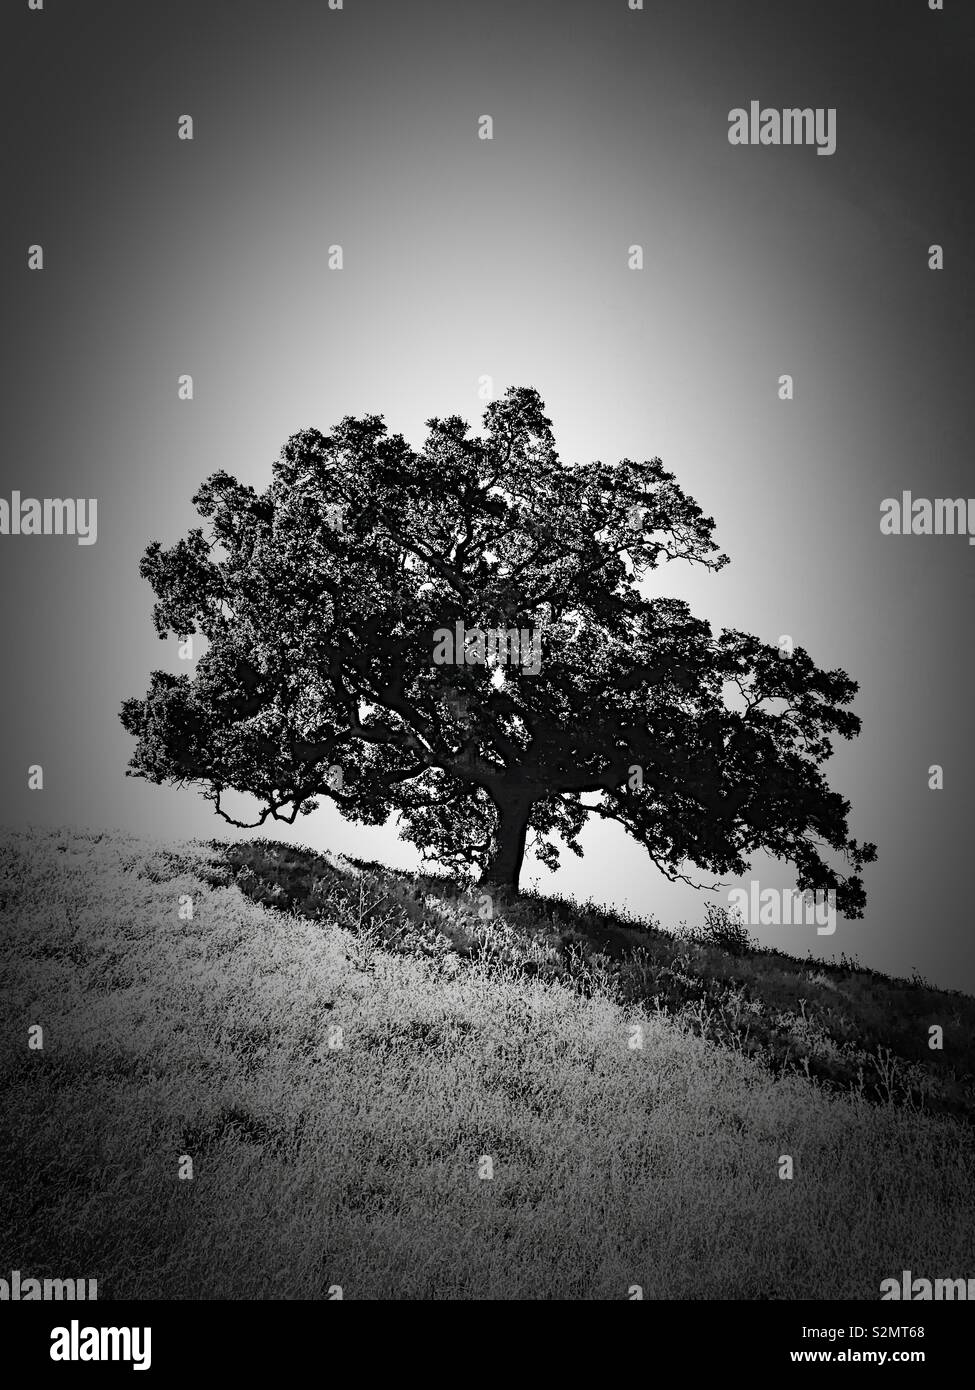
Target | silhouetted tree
(330,603)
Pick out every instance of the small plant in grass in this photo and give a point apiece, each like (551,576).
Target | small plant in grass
(724,929)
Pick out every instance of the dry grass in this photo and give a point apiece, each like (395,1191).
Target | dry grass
(358,1166)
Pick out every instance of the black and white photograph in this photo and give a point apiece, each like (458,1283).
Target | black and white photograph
(487,561)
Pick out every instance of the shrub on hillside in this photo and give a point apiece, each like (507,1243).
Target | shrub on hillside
(725,930)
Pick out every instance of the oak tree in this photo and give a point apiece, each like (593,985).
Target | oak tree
(324,598)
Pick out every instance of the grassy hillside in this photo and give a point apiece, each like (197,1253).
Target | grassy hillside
(461,1038)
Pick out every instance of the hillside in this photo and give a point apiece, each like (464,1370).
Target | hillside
(461,1039)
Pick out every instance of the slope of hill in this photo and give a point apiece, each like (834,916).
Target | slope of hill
(383,1089)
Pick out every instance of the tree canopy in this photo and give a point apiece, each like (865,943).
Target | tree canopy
(460,636)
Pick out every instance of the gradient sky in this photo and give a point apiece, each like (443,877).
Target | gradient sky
(507,258)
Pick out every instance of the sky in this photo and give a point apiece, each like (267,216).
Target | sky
(508,258)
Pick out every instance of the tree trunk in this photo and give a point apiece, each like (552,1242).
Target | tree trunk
(508,848)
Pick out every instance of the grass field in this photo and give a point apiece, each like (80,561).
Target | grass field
(359,1165)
